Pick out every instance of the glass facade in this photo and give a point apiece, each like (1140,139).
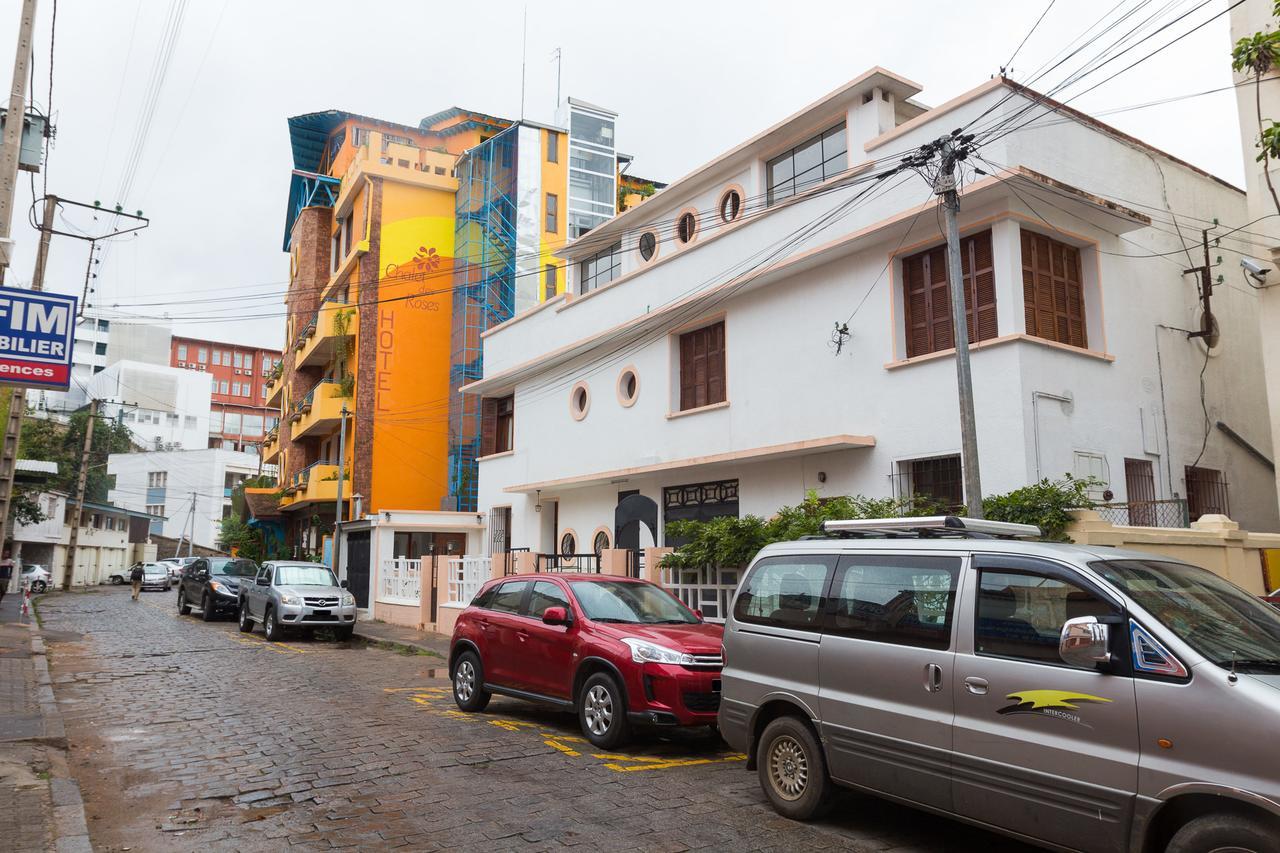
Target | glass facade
(593,158)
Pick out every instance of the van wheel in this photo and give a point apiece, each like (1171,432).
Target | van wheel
(792,769)
(1225,832)
(183,607)
(468,684)
(246,624)
(602,712)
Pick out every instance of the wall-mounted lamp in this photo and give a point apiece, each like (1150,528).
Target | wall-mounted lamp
(822,476)
(537,507)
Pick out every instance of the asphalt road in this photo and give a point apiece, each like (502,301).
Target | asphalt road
(188,735)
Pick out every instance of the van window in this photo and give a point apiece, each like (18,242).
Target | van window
(786,592)
(507,598)
(1020,614)
(906,600)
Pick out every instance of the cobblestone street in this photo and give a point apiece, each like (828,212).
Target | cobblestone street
(191,736)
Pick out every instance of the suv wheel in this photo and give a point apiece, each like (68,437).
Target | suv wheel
(206,608)
(1224,832)
(602,712)
(271,627)
(183,607)
(246,624)
(468,684)
(792,769)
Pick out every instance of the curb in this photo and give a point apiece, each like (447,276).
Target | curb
(402,643)
(70,827)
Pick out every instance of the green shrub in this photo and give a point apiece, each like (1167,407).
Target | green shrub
(1046,504)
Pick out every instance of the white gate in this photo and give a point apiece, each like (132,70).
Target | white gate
(400,581)
(466,576)
(708,590)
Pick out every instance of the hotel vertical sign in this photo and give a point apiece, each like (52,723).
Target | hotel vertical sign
(37,336)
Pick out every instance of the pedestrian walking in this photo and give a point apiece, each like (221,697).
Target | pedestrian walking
(136,576)
(6,573)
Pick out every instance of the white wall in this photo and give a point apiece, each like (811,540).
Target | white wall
(157,403)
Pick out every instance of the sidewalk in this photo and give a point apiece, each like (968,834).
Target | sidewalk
(382,632)
(42,808)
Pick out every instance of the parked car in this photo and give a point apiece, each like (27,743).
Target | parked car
(619,652)
(1008,683)
(214,584)
(289,596)
(155,576)
(34,576)
(175,565)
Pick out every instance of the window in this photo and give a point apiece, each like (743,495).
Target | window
(1052,292)
(202,355)
(549,281)
(600,543)
(579,401)
(702,379)
(553,146)
(600,269)
(546,594)
(687,226)
(100,348)
(246,389)
(231,422)
(508,596)
(224,385)
(189,422)
(1206,492)
(628,387)
(239,359)
(253,425)
(648,245)
(155,509)
(730,206)
(552,221)
(786,592)
(235,389)
(1021,613)
(268,364)
(568,543)
(157,479)
(182,352)
(940,479)
(497,425)
(808,164)
(1140,492)
(927,295)
(891,599)
(104,325)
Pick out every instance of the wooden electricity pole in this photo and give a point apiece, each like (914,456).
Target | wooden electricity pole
(82,480)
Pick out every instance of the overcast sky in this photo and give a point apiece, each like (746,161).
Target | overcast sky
(689,80)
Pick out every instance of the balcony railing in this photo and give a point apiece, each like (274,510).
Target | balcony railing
(333,323)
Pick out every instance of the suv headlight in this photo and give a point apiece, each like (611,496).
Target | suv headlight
(217,587)
(643,651)
(348,600)
(291,600)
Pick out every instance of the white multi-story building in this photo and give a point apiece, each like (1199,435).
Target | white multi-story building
(714,374)
(190,489)
(165,408)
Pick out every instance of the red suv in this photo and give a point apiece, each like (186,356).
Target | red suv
(618,651)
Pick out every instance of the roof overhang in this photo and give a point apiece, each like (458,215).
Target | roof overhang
(804,447)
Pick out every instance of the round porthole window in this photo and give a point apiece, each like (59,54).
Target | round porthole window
(600,544)
(628,387)
(568,544)
(648,245)
(687,227)
(730,205)
(579,401)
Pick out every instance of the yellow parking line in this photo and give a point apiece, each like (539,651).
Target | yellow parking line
(554,743)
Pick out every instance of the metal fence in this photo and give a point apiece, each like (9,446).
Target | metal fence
(1165,513)
(567,563)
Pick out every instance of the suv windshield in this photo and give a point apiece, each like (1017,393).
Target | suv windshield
(233,567)
(619,601)
(304,576)
(1213,616)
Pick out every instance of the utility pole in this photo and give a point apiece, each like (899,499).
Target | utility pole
(1206,294)
(81,481)
(342,473)
(18,396)
(954,149)
(191,518)
(14,121)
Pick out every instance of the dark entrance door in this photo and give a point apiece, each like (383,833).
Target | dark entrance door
(358,566)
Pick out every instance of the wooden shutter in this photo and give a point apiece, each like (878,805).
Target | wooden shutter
(488,426)
(927,295)
(702,367)
(1053,290)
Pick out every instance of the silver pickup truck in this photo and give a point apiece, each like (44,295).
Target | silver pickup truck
(288,596)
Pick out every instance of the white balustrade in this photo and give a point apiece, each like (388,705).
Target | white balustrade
(400,581)
(466,576)
(708,590)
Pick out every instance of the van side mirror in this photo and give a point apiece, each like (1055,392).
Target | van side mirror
(1085,642)
(264,581)
(698,613)
(555,616)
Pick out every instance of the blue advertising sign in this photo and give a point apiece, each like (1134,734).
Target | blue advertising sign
(37,336)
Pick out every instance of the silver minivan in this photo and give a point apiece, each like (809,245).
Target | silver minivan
(1081,698)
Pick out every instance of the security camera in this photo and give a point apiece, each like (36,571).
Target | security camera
(1256,271)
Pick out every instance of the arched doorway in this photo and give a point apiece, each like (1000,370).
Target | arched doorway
(635,522)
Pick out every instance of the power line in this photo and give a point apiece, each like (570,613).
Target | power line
(1009,65)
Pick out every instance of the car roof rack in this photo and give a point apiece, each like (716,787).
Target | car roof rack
(929,527)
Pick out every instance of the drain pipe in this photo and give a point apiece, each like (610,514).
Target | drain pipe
(1036,396)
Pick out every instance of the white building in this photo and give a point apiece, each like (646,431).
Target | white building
(164,407)
(695,369)
(111,539)
(191,489)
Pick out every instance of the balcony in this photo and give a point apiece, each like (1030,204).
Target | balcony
(317,483)
(331,329)
(274,386)
(318,414)
(271,447)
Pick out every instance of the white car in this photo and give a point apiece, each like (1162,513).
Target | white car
(175,565)
(37,577)
(156,576)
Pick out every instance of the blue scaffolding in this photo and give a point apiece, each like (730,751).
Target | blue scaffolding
(483,292)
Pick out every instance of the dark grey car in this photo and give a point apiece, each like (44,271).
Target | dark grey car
(1080,698)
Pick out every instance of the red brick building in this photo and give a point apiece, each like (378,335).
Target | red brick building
(239,416)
